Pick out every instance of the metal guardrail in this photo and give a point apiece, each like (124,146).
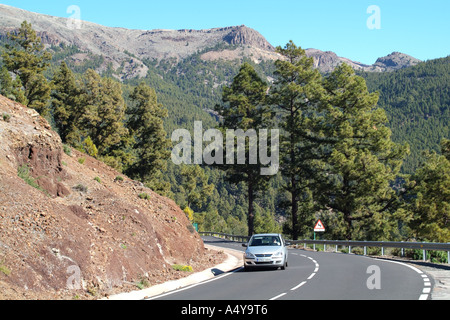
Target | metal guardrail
(424,246)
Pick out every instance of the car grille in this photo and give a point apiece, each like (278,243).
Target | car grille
(263,255)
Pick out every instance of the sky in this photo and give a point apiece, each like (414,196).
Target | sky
(361,30)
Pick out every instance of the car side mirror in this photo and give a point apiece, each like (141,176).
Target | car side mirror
(244,245)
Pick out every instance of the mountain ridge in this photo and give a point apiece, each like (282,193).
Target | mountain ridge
(129,48)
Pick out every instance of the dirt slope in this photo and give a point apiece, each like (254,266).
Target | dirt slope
(83,233)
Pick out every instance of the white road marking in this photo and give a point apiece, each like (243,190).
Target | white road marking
(296,287)
(278,296)
(426,281)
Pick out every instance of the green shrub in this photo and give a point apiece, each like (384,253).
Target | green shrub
(179,267)
(144,196)
(81,160)
(98,179)
(6,117)
(67,150)
(24,173)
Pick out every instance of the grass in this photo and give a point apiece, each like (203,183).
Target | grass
(24,173)
(5,270)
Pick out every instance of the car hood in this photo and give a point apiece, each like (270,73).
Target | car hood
(264,249)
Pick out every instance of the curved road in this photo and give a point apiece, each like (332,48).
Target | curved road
(313,276)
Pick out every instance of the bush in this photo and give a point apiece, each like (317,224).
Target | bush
(24,173)
(179,267)
(67,150)
(80,187)
(6,117)
(144,196)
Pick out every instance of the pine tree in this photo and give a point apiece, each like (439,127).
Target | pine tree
(429,198)
(103,114)
(12,89)
(244,108)
(360,161)
(146,123)
(295,94)
(196,187)
(27,59)
(67,102)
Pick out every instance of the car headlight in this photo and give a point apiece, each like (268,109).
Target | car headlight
(249,255)
(278,254)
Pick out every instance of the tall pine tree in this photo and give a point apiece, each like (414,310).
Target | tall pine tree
(27,59)
(67,103)
(295,95)
(360,161)
(244,109)
(146,122)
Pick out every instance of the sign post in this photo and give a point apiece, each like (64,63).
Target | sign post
(318,228)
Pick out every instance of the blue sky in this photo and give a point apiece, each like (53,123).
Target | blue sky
(416,27)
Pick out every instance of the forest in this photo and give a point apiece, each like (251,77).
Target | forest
(367,153)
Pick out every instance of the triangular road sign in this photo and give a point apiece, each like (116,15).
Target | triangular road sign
(319,227)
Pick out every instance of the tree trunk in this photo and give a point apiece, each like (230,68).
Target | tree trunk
(251,213)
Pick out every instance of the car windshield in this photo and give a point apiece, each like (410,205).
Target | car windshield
(259,241)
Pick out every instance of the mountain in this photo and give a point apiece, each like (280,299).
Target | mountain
(64,214)
(396,61)
(327,61)
(130,50)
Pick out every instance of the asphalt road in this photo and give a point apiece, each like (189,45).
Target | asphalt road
(313,276)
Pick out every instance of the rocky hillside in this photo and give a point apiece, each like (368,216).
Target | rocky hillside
(127,50)
(396,61)
(71,227)
(326,61)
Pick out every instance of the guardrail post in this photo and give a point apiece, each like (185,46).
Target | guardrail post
(424,255)
(336,248)
(365,250)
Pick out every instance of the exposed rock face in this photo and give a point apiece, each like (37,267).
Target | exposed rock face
(81,225)
(395,61)
(326,61)
(243,35)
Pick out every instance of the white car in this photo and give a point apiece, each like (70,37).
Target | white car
(265,250)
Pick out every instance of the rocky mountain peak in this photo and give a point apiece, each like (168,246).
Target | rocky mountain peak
(243,35)
(396,60)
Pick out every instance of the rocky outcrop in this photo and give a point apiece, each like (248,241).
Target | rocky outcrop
(395,61)
(243,35)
